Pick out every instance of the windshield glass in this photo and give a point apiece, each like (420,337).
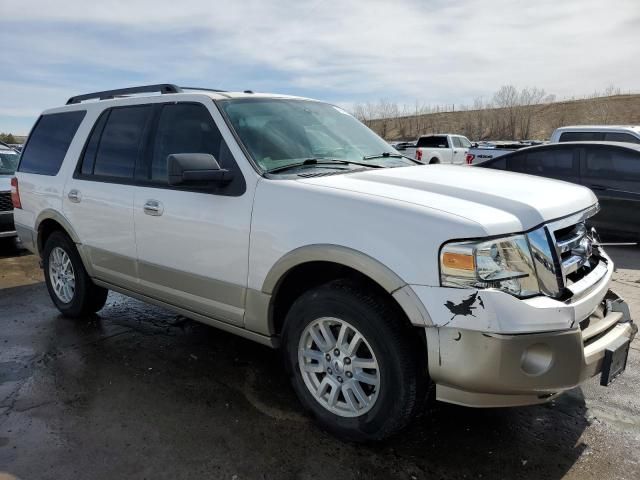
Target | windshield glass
(281,132)
(8,162)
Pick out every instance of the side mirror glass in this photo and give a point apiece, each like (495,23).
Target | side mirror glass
(196,169)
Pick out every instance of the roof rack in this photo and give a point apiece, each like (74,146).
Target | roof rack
(108,94)
(121,92)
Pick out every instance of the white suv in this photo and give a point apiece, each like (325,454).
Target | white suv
(286,221)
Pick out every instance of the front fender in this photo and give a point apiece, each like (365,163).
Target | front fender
(258,302)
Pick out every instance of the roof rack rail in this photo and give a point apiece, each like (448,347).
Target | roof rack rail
(108,94)
(205,89)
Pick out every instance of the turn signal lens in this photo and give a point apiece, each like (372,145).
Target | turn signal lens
(459,261)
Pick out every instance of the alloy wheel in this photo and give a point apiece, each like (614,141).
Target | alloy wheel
(62,275)
(339,367)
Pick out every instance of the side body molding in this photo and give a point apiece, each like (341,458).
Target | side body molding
(258,312)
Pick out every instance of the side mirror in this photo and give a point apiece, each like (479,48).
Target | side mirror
(197,169)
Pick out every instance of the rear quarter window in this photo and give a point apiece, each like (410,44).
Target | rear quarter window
(49,141)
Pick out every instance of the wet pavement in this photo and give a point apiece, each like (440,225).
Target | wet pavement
(138,392)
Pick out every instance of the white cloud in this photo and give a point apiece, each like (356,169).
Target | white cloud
(435,51)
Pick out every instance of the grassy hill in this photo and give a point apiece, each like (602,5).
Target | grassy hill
(543,119)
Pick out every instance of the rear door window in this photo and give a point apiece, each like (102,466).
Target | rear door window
(581,136)
(122,142)
(48,143)
(620,137)
(434,141)
(613,164)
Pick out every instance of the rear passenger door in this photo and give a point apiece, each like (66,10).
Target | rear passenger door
(98,200)
(193,244)
(613,173)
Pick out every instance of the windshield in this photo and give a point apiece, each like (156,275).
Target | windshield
(8,162)
(281,132)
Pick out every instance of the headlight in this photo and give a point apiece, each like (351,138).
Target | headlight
(504,264)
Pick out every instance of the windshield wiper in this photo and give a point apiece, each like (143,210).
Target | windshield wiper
(321,161)
(382,155)
(390,155)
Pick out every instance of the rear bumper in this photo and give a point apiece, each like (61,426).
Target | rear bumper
(481,369)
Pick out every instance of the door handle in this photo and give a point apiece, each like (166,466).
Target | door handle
(153,208)
(74,196)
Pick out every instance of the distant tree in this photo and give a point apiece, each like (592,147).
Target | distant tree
(7,138)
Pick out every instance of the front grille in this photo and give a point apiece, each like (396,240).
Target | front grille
(574,248)
(5,202)
(575,253)
(567,262)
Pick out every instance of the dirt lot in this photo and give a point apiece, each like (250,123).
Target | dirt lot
(138,392)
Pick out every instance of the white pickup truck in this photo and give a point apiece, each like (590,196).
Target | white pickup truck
(443,148)
(458,150)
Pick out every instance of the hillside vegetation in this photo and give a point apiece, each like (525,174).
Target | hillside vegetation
(513,122)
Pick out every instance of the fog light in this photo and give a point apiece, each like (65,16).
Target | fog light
(536,359)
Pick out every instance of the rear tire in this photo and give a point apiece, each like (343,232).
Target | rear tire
(388,364)
(68,283)
(434,161)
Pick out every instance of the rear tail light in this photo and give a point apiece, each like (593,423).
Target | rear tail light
(470,157)
(15,193)
(418,154)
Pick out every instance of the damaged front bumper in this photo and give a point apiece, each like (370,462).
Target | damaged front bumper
(489,369)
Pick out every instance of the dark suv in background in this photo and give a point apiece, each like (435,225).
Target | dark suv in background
(610,169)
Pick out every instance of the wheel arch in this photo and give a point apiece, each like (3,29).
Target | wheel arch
(50,220)
(312,265)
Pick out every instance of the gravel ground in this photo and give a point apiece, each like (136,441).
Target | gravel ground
(138,392)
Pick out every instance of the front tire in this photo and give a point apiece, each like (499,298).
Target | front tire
(354,362)
(68,283)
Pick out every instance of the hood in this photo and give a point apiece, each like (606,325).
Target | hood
(501,202)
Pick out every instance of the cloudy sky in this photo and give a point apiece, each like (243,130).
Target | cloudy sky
(343,51)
